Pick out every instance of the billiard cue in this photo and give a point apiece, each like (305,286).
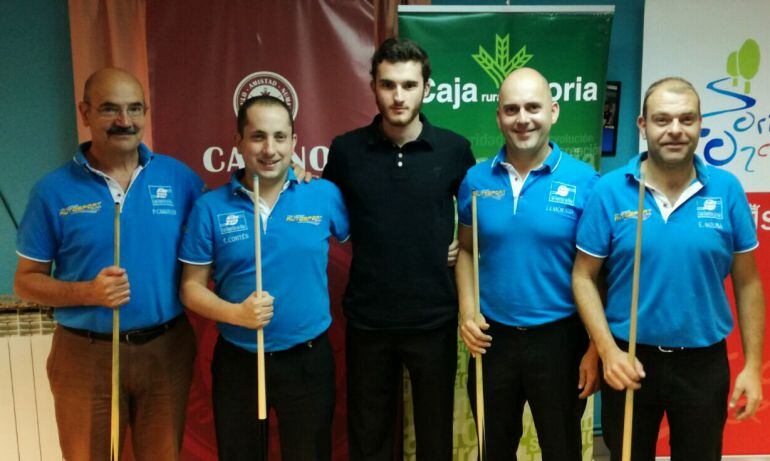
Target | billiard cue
(261,392)
(262,425)
(628,416)
(115,411)
(477,309)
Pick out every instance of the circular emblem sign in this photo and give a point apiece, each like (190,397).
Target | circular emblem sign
(268,83)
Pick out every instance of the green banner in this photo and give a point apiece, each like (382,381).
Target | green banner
(471,50)
(471,53)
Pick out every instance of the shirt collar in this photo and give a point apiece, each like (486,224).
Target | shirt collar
(550,163)
(633,166)
(236,186)
(145,155)
(427,135)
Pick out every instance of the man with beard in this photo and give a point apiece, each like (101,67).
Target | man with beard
(529,198)
(398,177)
(69,225)
(697,230)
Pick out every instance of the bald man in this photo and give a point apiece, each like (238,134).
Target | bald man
(529,198)
(68,226)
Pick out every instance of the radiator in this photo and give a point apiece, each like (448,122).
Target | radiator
(27,422)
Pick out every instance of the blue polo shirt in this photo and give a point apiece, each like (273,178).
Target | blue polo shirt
(69,221)
(685,259)
(295,247)
(527,246)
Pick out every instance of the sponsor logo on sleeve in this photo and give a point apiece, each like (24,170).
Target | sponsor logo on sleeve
(304,219)
(632,214)
(495,194)
(88,208)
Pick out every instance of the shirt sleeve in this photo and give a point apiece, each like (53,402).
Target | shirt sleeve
(340,225)
(464,203)
(587,193)
(744,228)
(197,245)
(331,170)
(466,161)
(39,234)
(594,232)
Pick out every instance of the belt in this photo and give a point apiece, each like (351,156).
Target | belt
(543,326)
(670,349)
(138,336)
(304,345)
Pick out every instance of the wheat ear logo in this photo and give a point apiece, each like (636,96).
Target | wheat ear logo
(503,63)
(744,63)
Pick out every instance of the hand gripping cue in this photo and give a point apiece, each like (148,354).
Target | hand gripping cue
(115,412)
(261,392)
(477,306)
(628,416)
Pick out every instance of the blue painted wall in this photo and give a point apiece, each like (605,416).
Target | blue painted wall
(37,120)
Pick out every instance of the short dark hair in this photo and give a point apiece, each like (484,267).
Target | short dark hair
(401,50)
(261,100)
(675,84)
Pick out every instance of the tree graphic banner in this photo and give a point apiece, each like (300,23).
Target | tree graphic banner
(472,49)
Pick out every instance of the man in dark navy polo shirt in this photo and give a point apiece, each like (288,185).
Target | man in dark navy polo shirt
(529,199)
(398,177)
(68,228)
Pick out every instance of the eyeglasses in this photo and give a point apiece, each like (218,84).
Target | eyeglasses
(113,111)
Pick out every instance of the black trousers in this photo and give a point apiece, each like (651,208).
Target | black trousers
(539,365)
(300,387)
(690,386)
(374,365)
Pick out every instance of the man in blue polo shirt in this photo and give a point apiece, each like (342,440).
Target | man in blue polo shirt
(529,199)
(697,228)
(297,220)
(69,226)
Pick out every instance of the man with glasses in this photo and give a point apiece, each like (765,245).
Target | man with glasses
(68,226)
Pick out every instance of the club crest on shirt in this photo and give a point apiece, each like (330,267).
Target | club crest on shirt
(89,208)
(496,194)
(232,222)
(709,207)
(162,200)
(562,193)
(304,219)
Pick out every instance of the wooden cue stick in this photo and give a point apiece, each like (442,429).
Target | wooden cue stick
(477,305)
(115,411)
(261,392)
(628,416)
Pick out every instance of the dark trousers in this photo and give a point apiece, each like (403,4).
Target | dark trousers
(374,365)
(300,387)
(538,365)
(690,386)
(154,380)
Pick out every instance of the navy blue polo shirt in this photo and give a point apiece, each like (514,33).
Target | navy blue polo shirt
(527,245)
(402,221)
(295,247)
(685,258)
(69,221)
